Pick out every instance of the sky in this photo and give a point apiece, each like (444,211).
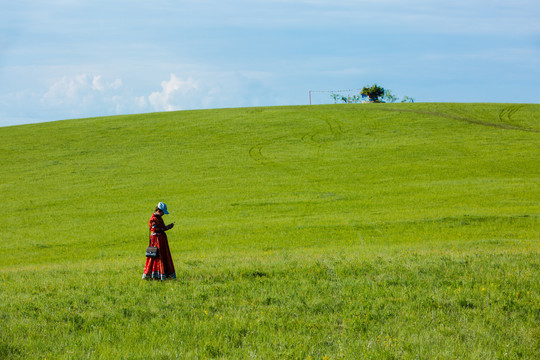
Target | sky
(64,59)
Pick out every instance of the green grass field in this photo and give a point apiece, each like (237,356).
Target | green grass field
(374,231)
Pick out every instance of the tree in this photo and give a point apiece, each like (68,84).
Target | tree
(407,99)
(335,97)
(373,92)
(389,97)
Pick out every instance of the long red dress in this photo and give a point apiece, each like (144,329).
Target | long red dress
(160,267)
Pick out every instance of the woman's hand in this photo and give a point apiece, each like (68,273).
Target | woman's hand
(170,226)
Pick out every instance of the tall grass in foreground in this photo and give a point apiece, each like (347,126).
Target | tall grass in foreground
(325,232)
(397,303)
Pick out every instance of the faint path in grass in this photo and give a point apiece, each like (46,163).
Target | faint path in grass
(315,138)
(508,112)
(335,127)
(506,116)
(256,151)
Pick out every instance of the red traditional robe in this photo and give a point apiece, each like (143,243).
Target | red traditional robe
(160,267)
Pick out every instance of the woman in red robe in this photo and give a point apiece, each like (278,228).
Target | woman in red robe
(160,267)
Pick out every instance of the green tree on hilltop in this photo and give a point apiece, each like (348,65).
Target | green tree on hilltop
(389,97)
(374,92)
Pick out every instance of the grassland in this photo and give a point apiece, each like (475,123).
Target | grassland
(380,231)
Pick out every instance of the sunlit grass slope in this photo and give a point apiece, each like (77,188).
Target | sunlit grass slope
(340,231)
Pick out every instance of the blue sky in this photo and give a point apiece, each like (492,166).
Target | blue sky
(62,59)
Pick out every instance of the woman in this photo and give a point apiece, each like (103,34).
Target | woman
(160,267)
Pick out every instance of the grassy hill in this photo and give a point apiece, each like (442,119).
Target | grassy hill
(339,231)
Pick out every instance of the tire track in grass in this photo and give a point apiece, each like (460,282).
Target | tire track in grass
(335,128)
(310,140)
(256,152)
(507,112)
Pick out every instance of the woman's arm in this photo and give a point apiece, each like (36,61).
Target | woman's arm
(158,227)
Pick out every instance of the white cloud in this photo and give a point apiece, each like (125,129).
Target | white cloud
(116,84)
(71,90)
(173,93)
(141,102)
(83,94)
(96,83)
(67,89)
